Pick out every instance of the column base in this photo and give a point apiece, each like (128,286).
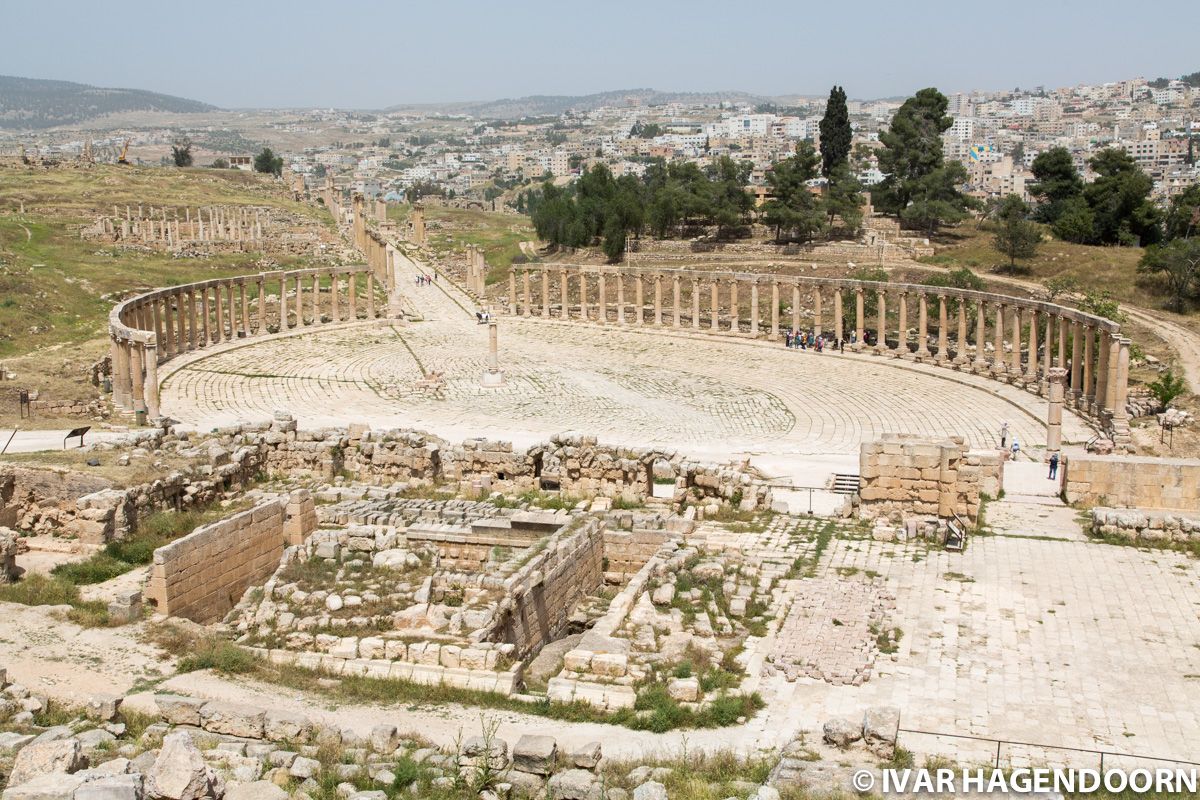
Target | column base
(922,355)
(492,378)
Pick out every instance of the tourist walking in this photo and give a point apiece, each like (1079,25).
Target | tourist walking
(1053,467)
(1016,448)
(1004,435)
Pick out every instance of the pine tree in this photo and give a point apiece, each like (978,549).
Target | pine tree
(835,132)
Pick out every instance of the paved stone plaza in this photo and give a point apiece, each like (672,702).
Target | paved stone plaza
(710,396)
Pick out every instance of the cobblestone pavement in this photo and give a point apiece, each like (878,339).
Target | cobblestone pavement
(712,396)
(1070,643)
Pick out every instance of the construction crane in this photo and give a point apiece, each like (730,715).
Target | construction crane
(124,151)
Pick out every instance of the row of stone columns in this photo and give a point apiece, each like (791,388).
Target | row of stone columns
(223,224)
(477,270)
(1096,358)
(169,322)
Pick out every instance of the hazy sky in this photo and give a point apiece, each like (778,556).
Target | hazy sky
(370,54)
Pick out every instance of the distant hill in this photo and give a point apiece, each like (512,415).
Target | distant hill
(33,103)
(553,105)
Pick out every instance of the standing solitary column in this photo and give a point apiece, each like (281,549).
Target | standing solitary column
(980,363)
(545,294)
(658,300)
(512,292)
(943,324)
(675,300)
(525,310)
(1113,369)
(1120,391)
(1057,376)
(695,304)
(858,319)
(881,322)
(774,309)
(922,327)
(754,307)
(902,350)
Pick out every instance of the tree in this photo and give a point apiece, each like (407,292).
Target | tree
(220,163)
(1120,200)
(1177,263)
(1167,386)
(181,152)
(1016,237)
(1183,217)
(843,200)
(792,207)
(267,161)
(319,171)
(835,132)
(729,203)
(919,187)
(1076,222)
(1057,182)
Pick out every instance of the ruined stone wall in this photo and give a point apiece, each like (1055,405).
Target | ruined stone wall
(203,575)
(547,589)
(909,475)
(1147,526)
(1132,481)
(627,551)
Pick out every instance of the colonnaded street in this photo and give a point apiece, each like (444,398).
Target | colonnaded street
(705,395)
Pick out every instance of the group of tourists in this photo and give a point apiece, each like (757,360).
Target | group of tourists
(426,280)
(811,340)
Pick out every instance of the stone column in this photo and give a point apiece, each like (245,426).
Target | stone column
(980,363)
(675,301)
(261,283)
(1121,391)
(1076,362)
(714,304)
(191,303)
(902,350)
(150,388)
(620,298)
(960,357)
(300,300)
(734,311)
(1112,369)
(564,290)
(122,379)
(245,300)
(881,345)
(695,304)
(999,363)
(335,311)
(583,295)
(156,312)
(1057,377)
(525,296)
(774,309)
(817,310)
(754,307)
(1088,384)
(602,299)
(658,299)
(837,313)
(796,305)
(1062,340)
(545,294)
(316,299)
(512,292)
(639,299)
(943,338)
(283,317)
(1031,372)
(922,327)
(138,399)
(352,291)
(232,306)
(206,316)
(1015,366)
(169,312)
(371,295)
(858,319)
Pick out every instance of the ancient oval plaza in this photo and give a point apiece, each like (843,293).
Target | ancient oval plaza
(398,523)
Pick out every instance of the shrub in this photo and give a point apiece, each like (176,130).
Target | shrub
(1168,386)
(99,568)
(219,655)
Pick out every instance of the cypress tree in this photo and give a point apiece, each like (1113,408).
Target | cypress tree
(835,132)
